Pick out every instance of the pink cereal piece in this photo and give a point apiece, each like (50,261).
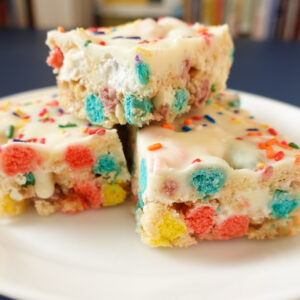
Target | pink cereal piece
(55,58)
(109,98)
(164,109)
(73,204)
(234,226)
(267,172)
(185,69)
(79,157)
(204,92)
(169,187)
(90,191)
(201,219)
(17,159)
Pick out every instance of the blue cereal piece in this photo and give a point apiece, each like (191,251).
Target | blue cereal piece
(94,109)
(180,100)
(207,181)
(143,176)
(283,204)
(142,184)
(106,164)
(136,110)
(143,72)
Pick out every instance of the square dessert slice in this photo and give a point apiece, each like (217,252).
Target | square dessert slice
(215,173)
(141,71)
(57,162)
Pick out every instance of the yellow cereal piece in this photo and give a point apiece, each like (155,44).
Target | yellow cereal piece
(21,130)
(113,194)
(169,229)
(45,116)
(81,29)
(216,106)
(62,131)
(144,51)
(10,207)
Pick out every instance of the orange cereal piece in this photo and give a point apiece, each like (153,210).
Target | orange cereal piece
(297,159)
(234,226)
(201,219)
(90,191)
(154,147)
(55,58)
(79,157)
(18,159)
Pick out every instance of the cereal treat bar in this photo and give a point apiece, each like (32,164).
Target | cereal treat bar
(215,174)
(141,71)
(57,162)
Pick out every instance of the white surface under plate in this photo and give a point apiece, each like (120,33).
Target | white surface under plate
(98,255)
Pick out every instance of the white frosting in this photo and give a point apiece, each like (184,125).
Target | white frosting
(216,145)
(37,124)
(170,46)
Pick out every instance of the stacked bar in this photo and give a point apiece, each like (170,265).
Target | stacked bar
(139,72)
(56,161)
(203,168)
(215,173)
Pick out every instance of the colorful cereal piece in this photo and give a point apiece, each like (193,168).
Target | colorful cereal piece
(106,164)
(73,204)
(55,58)
(169,229)
(79,157)
(94,109)
(180,100)
(143,72)
(17,159)
(10,207)
(169,187)
(200,220)
(207,181)
(283,204)
(90,191)
(113,194)
(232,227)
(136,110)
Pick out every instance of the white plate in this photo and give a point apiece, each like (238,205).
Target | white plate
(97,254)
